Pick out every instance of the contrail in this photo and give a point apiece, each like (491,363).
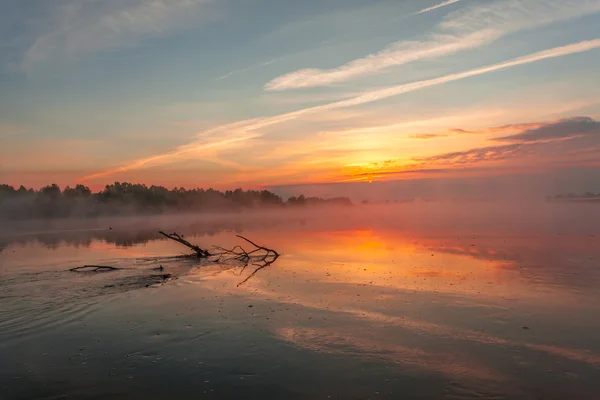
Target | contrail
(444,4)
(242,128)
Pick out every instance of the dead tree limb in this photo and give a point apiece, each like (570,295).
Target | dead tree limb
(259,256)
(200,253)
(93,268)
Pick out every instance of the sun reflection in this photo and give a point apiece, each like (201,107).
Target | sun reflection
(363,265)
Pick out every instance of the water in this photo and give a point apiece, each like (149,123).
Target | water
(379,303)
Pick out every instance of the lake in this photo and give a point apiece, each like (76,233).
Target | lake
(376,302)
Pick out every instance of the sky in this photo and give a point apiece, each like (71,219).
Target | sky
(310,96)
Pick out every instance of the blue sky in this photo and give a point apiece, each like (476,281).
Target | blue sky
(264,93)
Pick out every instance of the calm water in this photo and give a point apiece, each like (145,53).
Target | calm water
(366,303)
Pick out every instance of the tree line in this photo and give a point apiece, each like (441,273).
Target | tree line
(124,198)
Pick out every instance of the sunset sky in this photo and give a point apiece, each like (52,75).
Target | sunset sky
(256,93)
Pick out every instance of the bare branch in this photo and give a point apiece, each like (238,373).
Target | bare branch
(257,246)
(200,253)
(259,256)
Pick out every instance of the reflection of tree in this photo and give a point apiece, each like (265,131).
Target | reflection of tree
(133,237)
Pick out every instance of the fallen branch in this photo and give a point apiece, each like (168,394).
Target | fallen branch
(93,268)
(259,256)
(200,253)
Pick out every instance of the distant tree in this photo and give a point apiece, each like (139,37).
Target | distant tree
(6,190)
(77,191)
(23,190)
(125,197)
(52,190)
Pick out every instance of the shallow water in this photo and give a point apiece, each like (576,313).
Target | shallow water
(362,304)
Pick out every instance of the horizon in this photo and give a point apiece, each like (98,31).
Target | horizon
(286,193)
(305,97)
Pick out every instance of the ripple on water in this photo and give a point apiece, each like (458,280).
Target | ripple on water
(37,303)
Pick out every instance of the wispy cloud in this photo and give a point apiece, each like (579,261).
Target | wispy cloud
(473,27)
(511,128)
(88,26)
(462,131)
(244,70)
(572,141)
(428,135)
(241,131)
(444,4)
(565,128)
(534,131)
(558,138)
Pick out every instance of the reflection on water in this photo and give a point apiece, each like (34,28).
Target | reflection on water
(357,307)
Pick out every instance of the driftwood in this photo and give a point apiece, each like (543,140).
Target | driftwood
(259,256)
(93,268)
(200,253)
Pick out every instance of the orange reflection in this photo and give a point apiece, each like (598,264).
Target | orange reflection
(360,265)
(388,259)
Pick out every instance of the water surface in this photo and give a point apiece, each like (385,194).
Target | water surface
(387,303)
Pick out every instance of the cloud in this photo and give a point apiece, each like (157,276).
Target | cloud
(181,153)
(563,140)
(239,131)
(381,174)
(570,141)
(573,123)
(515,127)
(497,129)
(474,156)
(566,128)
(428,135)
(444,4)
(409,87)
(461,131)
(461,30)
(90,26)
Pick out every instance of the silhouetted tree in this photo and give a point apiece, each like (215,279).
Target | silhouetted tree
(126,198)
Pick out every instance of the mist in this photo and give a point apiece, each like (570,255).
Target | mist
(512,186)
(539,218)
